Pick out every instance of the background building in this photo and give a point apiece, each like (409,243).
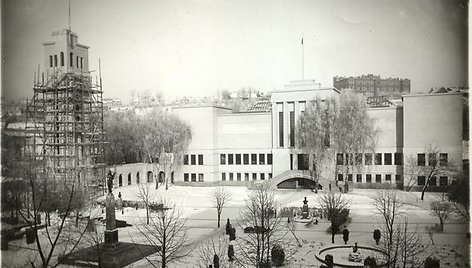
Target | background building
(373,85)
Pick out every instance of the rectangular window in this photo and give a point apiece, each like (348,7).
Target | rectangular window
(77,61)
(238,159)
(230,159)
(387,159)
(421,159)
(193,159)
(186,176)
(193,177)
(339,159)
(432,181)
(443,181)
(261,159)
(291,161)
(349,177)
(281,124)
(231,176)
(223,176)
(358,160)
(432,159)
(443,160)
(270,176)
(368,158)
(303,161)
(359,178)
(253,159)
(254,176)
(81,63)
(292,124)
(246,159)
(269,159)
(378,178)
(421,180)
(71,59)
(378,159)
(398,159)
(186,159)
(262,176)
(50,60)
(340,177)
(388,177)
(200,159)
(398,178)
(238,176)
(55,60)
(246,176)
(223,159)
(200,177)
(368,178)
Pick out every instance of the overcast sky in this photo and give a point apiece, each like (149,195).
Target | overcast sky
(195,48)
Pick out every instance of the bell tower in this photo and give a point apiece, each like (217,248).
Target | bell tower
(65,54)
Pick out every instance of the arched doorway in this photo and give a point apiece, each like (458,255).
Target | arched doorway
(137,177)
(149,176)
(297,183)
(162,176)
(120,180)
(172,177)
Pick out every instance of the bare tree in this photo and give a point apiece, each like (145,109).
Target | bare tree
(430,166)
(146,195)
(215,246)
(167,231)
(442,210)
(407,245)
(260,214)
(334,206)
(459,195)
(220,197)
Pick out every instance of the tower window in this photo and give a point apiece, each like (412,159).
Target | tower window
(77,61)
(81,63)
(71,59)
(55,60)
(50,60)
(62,58)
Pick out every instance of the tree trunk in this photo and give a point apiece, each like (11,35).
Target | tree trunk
(147,214)
(422,191)
(219,216)
(332,236)
(76,218)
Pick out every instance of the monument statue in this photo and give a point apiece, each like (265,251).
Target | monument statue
(110,178)
(305,213)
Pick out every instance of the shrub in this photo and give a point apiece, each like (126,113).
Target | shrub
(431,262)
(277,255)
(377,236)
(370,262)
(228,227)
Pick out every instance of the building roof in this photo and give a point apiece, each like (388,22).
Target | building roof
(379,102)
(260,107)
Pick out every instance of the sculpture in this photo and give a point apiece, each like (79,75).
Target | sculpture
(110,178)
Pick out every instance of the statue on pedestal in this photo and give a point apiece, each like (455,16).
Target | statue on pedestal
(111,233)
(110,178)
(305,212)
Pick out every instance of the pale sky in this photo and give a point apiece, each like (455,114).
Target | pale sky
(195,48)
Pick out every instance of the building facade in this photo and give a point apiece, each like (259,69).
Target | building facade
(373,85)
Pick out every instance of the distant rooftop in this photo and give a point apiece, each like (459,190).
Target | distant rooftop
(260,107)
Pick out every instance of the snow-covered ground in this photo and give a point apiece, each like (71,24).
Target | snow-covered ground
(197,206)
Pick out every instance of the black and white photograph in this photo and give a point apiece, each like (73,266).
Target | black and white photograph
(235,133)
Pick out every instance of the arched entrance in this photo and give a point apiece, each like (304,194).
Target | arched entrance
(162,176)
(297,183)
(172,177)
(149,176)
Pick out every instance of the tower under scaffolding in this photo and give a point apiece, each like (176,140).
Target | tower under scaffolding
(65,116)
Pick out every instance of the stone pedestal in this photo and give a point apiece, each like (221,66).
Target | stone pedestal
(111,233)
(111,236)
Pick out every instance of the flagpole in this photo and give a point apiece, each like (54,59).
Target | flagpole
(303,60)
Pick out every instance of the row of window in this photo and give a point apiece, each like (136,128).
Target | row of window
(432,159)
(120,178)
(368,178)
(193,159)
(192,177)
(369,159)
(244,176)
(53,61)
(245,159)
(421,181)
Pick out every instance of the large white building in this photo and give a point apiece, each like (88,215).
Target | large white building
(248,147)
